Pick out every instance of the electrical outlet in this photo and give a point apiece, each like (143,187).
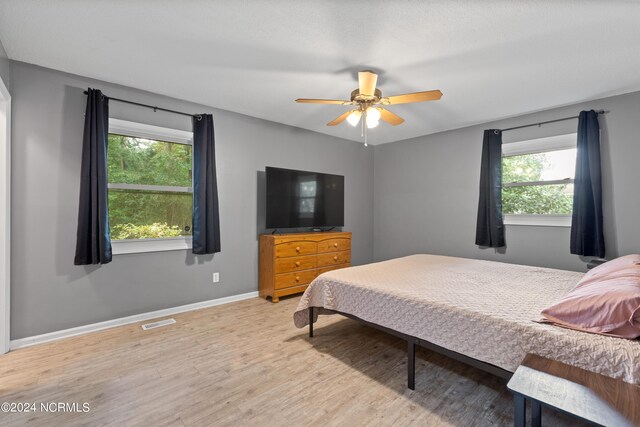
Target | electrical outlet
(216,277)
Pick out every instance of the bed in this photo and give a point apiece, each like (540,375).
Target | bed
(480,312)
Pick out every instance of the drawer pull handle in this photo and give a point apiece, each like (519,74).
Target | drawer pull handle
(297,248)
(297,263)
(297,278)
(335,244)
(335,258)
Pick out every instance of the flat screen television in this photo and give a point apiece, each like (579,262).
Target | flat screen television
(298,199)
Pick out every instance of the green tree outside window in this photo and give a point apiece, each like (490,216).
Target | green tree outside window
(533,199)
(136,214)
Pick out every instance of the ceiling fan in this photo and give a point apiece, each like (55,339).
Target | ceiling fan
(368,101)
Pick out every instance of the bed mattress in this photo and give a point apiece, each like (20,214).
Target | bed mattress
(482,309)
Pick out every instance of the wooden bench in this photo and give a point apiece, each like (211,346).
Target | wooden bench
(586,395)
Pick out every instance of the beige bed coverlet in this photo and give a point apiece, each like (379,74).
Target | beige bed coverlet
(482,309)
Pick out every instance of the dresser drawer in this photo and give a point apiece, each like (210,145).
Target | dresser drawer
(284,250)
(331,268)
(334,258)
(286,265)
(286,280)
(334,245)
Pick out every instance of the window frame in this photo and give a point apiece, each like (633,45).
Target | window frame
(534,146)
(158,133)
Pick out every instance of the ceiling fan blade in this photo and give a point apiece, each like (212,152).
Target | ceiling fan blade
(430,95)
(322,101)
(367,82)
(390,117)
(340,119)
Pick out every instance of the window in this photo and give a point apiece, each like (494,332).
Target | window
(537,181)
(150,187)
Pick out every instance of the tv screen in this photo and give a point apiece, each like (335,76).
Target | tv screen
(304,199)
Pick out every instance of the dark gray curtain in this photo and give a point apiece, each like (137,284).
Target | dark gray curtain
(93,241)
(490,228)
(587,236)
(206,222)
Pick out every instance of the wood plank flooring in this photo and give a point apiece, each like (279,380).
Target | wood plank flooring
(245,364)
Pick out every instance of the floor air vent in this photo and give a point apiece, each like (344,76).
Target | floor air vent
(157,324)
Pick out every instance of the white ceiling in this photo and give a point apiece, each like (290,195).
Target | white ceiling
(491,59)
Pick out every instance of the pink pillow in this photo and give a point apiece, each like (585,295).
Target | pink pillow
(604,303)
(612,266)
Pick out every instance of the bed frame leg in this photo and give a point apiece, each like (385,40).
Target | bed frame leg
(310,322)
(536,414)
(411,364)
(519,416)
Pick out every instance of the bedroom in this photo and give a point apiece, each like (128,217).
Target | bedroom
(74,331)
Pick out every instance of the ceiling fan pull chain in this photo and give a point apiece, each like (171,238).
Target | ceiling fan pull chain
(364,127)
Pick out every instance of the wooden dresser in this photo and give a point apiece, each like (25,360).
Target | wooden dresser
(289,262)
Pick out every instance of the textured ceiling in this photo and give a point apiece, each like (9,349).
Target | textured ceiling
(491,59)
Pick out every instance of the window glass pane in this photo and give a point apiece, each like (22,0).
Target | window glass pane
(148,162)
(147,215)
(538,199)
(549,166)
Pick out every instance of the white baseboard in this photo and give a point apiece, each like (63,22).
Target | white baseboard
(94,327)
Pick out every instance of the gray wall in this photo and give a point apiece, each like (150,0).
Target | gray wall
(421,198)
(426,190)
(5,67)
(49,293)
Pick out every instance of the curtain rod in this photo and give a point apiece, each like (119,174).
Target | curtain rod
(546,122)
(154,108)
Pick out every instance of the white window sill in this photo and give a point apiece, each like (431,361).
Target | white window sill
(539,220)
(134,246)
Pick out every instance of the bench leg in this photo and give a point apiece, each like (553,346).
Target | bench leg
(536,414)
(411,365)
(519,416)
(310,322)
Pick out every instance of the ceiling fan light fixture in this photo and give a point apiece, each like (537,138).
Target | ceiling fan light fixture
(373,117)
(354,117)
(369,103)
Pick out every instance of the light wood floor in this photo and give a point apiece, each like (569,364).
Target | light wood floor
(245,364)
